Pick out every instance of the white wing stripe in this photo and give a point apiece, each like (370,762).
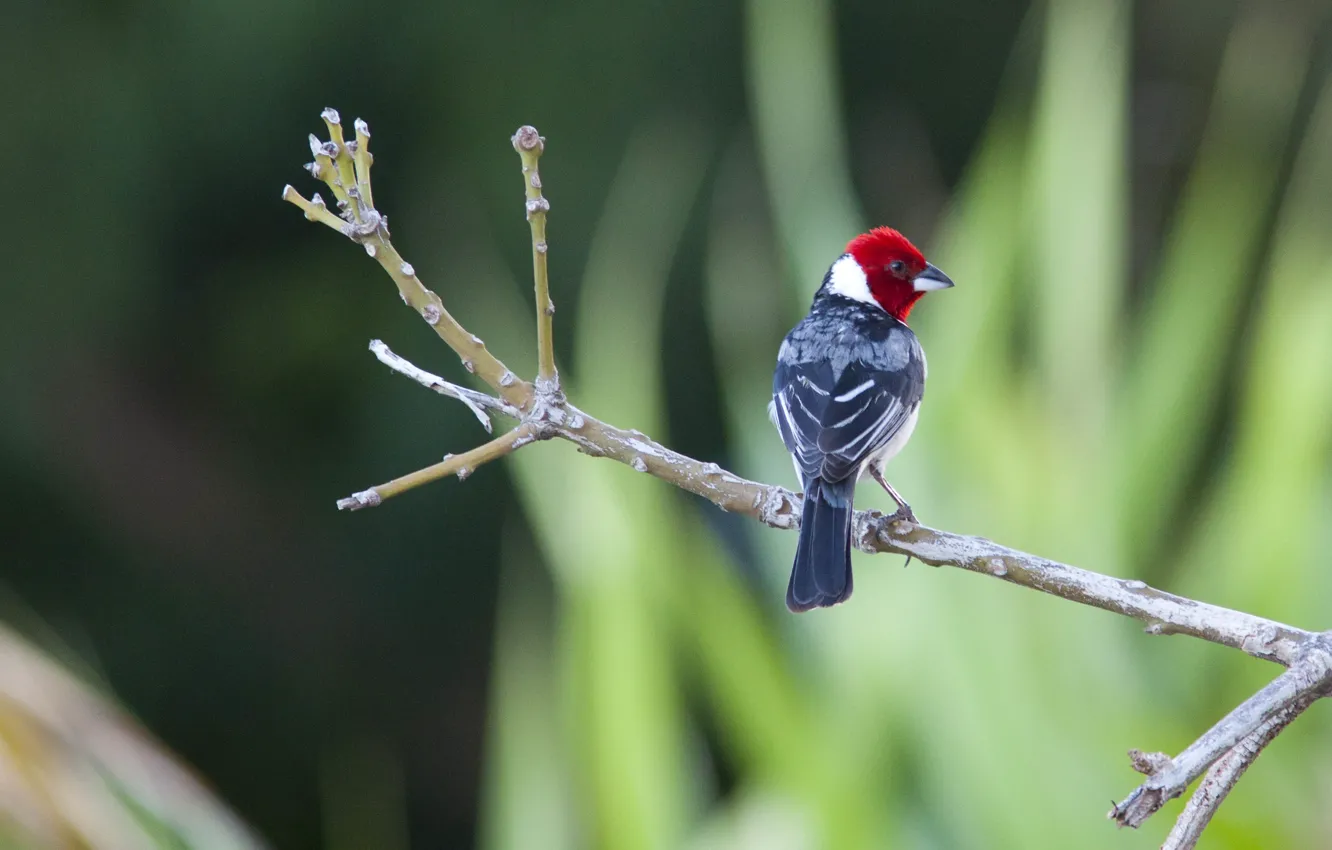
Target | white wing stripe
(850,394)
(874,433)
(847,420)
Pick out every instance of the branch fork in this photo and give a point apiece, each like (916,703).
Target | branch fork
(1229,747)
(542,412)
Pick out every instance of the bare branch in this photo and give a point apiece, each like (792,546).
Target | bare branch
(477,402)
(1223,775)
(315,208)
(363,161)
(1164,613)
(530,145)
(461,465)
(1305,681)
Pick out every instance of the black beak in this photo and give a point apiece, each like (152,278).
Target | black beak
(931,279)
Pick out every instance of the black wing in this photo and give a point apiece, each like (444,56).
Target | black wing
(833,420)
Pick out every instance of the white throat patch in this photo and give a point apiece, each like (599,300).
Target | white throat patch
(848,280)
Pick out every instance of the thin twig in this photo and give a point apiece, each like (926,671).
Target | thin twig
(1307,679)
(363,159)
(530,145)
(478,403)
(1223,775)
(362,223)
(461,465)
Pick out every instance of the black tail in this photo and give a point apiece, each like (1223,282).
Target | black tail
(821,576)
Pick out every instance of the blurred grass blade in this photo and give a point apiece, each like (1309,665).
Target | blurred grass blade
(526,796)
(980,244)
(1176,370)
(1259,537)
(1078,253)
(1080,178)
(800,135)
(77,772)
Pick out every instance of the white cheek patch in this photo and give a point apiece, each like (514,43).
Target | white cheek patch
(848,280)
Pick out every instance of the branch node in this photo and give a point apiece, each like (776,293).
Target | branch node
(507,379)
(998,567)
(530,438)
(550,388)
(431,314)
(370,249)
(407,269)
(541,247)
(1148,764)
(464,472)
(639,464)
(373,223)
(775,508)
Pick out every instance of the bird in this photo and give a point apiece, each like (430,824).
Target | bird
(846,393)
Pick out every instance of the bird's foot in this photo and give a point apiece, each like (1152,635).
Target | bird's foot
(904,514)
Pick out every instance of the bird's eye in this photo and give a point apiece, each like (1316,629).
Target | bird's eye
(897,267)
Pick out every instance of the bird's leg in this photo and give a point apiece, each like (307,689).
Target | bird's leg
(903,509)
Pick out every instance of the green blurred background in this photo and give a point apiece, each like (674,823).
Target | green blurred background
(1134,374)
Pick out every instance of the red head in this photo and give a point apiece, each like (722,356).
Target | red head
(888,271)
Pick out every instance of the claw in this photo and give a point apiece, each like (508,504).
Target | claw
(904,513)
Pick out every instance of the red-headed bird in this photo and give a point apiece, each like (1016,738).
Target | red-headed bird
(848,386)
